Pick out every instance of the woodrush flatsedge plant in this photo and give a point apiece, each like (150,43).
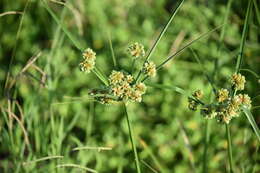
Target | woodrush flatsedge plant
(121,86)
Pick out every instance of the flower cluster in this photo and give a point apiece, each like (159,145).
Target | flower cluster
(136,50)
(89,60)
(123,87)
(120,85)
(227,105)
(149,69)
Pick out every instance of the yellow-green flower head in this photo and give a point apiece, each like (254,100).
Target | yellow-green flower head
(136,96)
(192,104)
(198,94)
(222,95)
(129,78)
(245,100)
(89,55)
(208,111)
(238,81)
(116,77)
(87,66)
(149,69)
(223,117)
(136,50)
(140,87)
(118,91)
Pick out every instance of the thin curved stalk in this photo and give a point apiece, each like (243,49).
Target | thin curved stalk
(137,164)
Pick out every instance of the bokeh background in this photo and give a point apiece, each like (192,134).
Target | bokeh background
(50,97)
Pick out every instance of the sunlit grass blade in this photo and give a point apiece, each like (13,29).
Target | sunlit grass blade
(186,46)
(10,13)
(76,43)
(71,165)
(92,148)
(230,158)
(161,35)
(244,34)
(252,121)
(42,159)
(137,164)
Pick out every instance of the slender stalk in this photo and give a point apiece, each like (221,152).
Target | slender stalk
(206,143)
(112,51)
(160,36)
(243,39)
(132,141)
(230,159)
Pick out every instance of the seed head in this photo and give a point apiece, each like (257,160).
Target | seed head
(136,96)
(87,66)
(192,104)
(238,81)
(129,78)
(222,95)
(136,50)
(245,100)
(118,91)
(198,94)
(140,87)
(116,77)
(208,112)
(149,69)
(89,55)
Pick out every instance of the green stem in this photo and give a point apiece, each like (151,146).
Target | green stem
(206,143)
(132,141)
(229,149)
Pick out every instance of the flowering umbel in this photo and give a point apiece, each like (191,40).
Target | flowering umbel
(120,85)
(227,105)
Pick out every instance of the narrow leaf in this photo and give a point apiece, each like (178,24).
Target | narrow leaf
(252,121)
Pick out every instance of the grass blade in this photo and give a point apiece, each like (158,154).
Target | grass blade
(42,159)
(252,121)
(76,166)
(174,88)
(76,43)
(243,39)
(186,46)
(132,140)
(257,11)
(15,45)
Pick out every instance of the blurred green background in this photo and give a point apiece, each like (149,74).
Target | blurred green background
(50,98)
